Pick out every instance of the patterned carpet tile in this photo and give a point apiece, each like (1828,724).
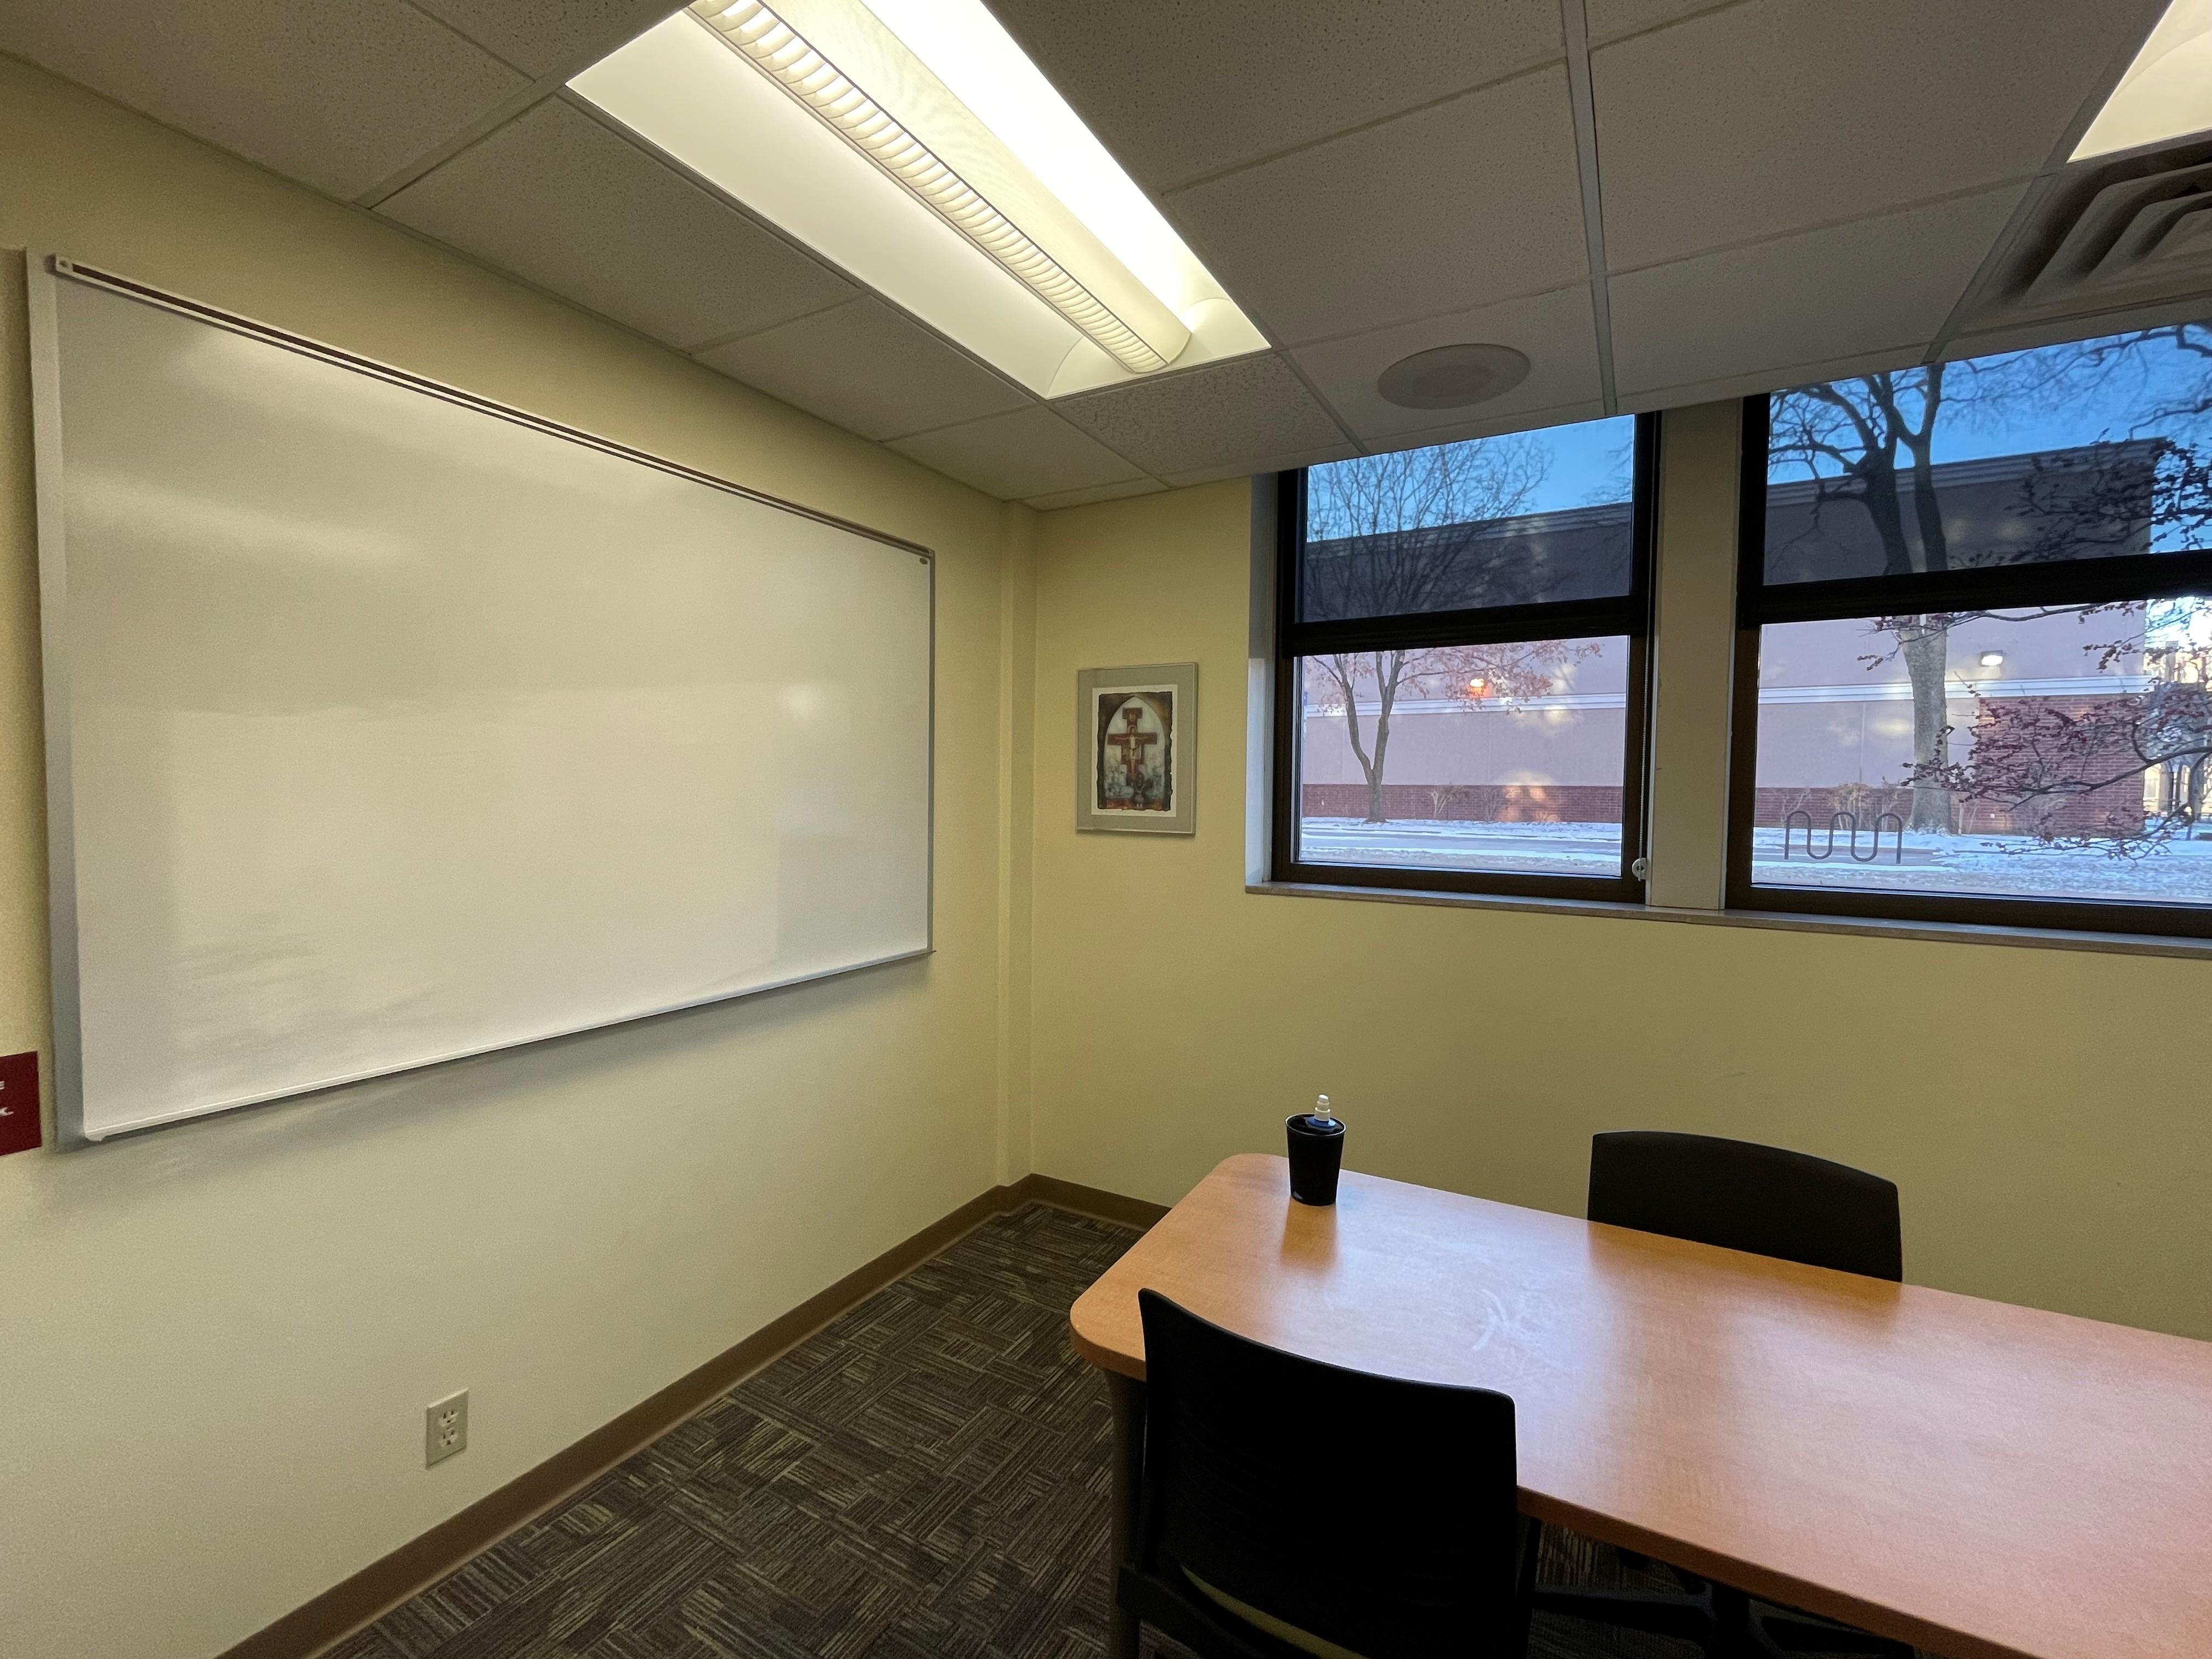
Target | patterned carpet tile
(927,1478)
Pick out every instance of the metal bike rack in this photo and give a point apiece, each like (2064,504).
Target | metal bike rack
(1847,824)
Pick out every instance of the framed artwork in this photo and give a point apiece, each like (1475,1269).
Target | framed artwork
(1135,735)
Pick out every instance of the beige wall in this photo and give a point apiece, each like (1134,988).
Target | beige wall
(2039,1108)
(217,1341)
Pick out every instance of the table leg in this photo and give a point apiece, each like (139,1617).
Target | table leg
(1128,1398)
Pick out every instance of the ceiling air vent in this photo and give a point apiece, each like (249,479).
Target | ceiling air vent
(2114,236)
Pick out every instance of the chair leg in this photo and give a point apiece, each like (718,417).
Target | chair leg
(1735,1635)
(1532,1542)
(1126,1396)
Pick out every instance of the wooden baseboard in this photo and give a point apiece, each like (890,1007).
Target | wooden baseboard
(368,1595)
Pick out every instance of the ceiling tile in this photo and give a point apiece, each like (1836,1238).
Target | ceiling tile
(1178,92)
(1866,287)
(1470,201)
(1101,493)
(1256,464)
(1981,339)
(1759,119)
(1733,387)
(1609,19)
(1207,417)
(868,369)
(337,94)
(1534,420)
(558,198)
(1029,453)
(1554,330)
(542,39)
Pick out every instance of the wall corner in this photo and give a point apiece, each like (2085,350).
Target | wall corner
(1018,544)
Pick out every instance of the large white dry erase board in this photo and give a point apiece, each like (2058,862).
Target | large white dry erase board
(386,726)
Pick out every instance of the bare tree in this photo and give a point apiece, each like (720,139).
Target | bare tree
(1869,444)
(1862,441)
(2072,773)
(1413,532)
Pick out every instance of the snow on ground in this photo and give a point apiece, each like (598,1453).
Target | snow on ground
(2011,866)
(1989,865)
(1551,849)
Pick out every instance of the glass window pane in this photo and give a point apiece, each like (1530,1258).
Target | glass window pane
(2090,450)
(1496,757)
(2054,753)
(1528,517)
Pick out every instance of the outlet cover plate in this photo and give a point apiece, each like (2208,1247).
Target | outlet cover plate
(445,1428)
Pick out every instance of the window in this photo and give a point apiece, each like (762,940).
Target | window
(1976,624)
(1460,665)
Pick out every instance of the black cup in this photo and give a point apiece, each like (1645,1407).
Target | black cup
(1316,1155)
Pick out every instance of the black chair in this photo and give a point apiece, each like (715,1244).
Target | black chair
(1764,1200)
(1290,1508)
(1744,1196)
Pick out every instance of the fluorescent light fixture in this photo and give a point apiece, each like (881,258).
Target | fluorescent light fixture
(798,67)
(911,143)
(2166,92)
(1992,659)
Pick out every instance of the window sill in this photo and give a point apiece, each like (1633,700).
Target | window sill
(2142,944)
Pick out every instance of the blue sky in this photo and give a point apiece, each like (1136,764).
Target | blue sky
(1591,462)
(2153,371)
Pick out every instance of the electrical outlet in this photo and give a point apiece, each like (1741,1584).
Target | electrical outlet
(446,1428)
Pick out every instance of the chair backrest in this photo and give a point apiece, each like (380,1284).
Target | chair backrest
(1747,1197)
(1375,1513)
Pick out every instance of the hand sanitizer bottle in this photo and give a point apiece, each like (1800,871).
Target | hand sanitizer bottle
(1316,1149)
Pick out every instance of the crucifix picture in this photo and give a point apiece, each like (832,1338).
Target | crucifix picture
(1136,763)
(1136,760)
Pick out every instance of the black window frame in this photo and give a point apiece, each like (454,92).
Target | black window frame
(2080,581)
(1628,614)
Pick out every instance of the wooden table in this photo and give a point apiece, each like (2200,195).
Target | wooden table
(1984,1481)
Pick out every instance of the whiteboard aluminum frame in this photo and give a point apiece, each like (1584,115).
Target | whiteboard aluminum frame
(42,271)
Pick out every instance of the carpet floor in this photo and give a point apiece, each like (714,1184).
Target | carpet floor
(925,1479)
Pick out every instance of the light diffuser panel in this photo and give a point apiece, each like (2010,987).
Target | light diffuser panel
(1019,238)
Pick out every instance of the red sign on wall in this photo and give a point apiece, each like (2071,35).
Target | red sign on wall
(18,1101)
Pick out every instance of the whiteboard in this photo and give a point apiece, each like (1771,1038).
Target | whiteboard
(386,726)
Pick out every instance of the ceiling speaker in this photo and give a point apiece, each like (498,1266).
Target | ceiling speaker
(1453,376)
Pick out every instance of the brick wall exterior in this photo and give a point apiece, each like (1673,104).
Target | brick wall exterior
(1560,803)
(2120,803)
(2117,804)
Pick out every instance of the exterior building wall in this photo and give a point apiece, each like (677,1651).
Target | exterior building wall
(1469,744)
(1470,803)
(1552,758)
(1835,731)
